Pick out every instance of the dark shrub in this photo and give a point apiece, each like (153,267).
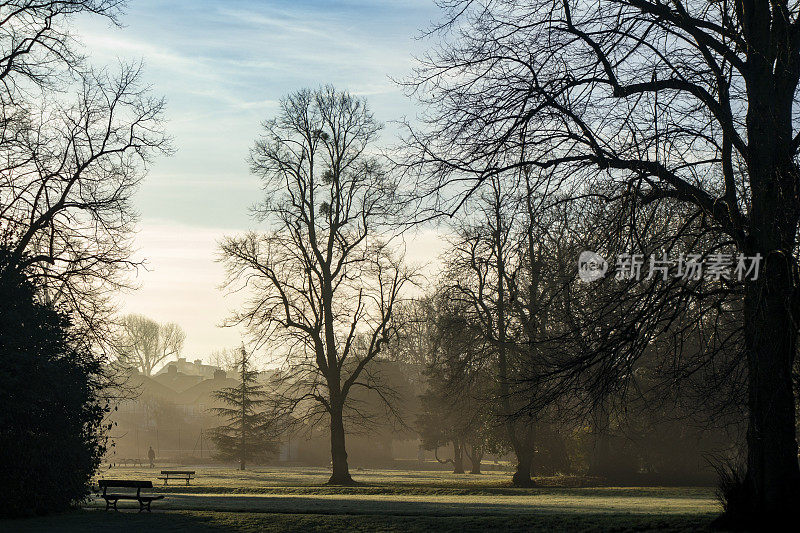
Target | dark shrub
(733,493)
(50,422)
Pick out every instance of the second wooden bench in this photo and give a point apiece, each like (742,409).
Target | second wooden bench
(183,475)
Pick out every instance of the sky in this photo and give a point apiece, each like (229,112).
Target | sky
(222,67)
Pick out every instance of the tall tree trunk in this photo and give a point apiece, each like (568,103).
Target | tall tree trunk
(523,449)
(475,457)
(341,472)
(773,476)
(522,474)
(600,454)
(243,399)
(770,309)
(458,457)
(519,441)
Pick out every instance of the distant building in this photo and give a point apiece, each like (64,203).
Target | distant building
(196,368)
(171,411)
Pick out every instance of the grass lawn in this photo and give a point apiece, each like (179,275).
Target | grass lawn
(295,499)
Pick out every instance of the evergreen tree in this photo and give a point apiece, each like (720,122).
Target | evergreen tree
(52,434)
(248,434)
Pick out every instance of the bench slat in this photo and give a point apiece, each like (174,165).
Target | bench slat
(125,483)
(132,497)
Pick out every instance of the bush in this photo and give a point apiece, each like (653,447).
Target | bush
(733,494)
(50,423)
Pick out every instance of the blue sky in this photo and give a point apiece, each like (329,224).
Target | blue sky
(222,66)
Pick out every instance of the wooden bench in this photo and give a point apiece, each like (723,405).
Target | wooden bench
(112,499)
(132,462)
(176,474)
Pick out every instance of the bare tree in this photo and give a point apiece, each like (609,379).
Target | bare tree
(143,343)
(74,145)
(677,103)
(482,267)
(323,280)
(226,358)
(37,48)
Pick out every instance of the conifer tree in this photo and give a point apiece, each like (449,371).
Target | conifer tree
(248,434)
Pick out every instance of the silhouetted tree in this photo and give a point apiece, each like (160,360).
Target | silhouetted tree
(51,430)
(248,435)
(324,282)
(679,103)
(482,271)
(74,145)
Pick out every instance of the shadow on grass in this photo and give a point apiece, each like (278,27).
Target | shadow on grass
(206,521)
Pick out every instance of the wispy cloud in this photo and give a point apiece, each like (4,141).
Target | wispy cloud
(222,68)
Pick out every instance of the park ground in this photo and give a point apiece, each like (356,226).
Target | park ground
(297,499)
